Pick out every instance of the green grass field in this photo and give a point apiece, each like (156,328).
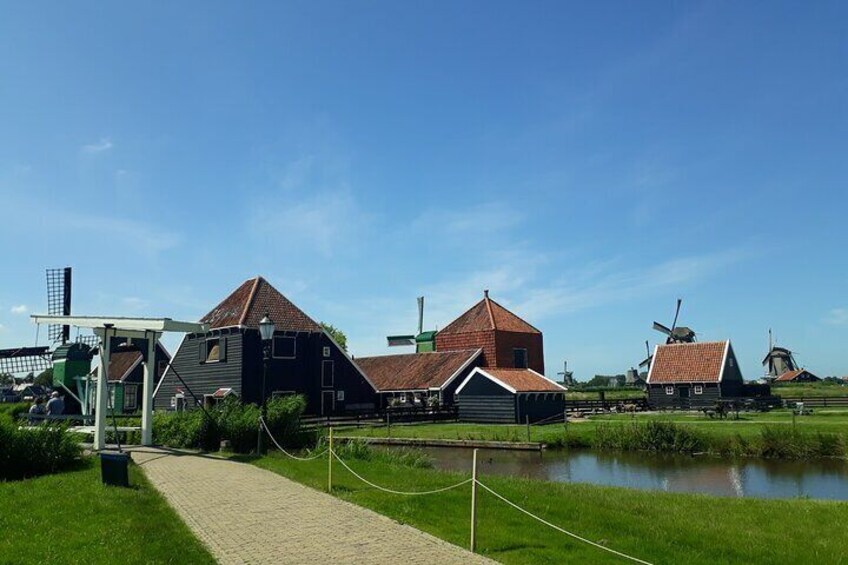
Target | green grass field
(654,526)
(72,518)
(810,390)
(748,427)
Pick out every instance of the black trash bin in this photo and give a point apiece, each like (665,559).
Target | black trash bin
(113,467)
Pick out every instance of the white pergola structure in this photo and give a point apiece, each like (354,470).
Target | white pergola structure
(150,329)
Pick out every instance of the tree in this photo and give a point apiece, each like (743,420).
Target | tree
(338,335)
(6,379)
(45,378)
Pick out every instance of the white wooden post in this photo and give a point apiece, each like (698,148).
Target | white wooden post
(330,463)
(102,390)
(474,502)
(147,389)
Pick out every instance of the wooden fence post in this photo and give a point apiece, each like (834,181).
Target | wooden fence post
(388,424)
(474,502)
(330,464)
(527,419)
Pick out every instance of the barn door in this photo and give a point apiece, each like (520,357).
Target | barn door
(328,402)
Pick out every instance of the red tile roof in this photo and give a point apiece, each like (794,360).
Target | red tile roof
(792,375)
(414,371)
(247,304)
(488,315)
(523,380)
(688,362)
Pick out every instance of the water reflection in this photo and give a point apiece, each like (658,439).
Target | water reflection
(747,477)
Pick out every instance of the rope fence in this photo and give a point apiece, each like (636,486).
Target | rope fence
(280,447)
(473,481)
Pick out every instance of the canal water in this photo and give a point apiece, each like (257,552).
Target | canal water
(825,479)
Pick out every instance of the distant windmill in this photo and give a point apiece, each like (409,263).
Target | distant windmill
(674,334)
(778,360)
(423,341)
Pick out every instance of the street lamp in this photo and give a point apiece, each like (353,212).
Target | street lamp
(266,332)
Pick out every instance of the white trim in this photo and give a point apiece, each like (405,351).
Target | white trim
(460,370)
(724,360)
(698,389)
(128,371)
(168,368)
(653,359)
(349,358)
(273,348)
(502,384)
(480,371)
(556,384)
(669,387)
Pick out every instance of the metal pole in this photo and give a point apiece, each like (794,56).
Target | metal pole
(330,456)
(260,441)
(474,502)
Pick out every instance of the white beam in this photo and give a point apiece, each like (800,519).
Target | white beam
(102,389)
(119,323)
(147,390)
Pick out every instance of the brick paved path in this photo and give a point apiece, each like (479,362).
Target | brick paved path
(245,514)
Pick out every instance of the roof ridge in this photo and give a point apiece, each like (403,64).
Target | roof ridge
(489,309)
(249,300)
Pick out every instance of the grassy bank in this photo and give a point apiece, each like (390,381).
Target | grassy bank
(658,527)
(773,434)
(72,518)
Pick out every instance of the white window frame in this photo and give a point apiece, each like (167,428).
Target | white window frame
(326,351)
(699,389)
(669,390)
(402,398)
(133,396)
(274,347)
(217,340)
(340,396)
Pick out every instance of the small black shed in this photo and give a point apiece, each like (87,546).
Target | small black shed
(508,396)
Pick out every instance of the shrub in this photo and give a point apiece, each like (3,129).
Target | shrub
(233,421)
(239,423)
(28,452)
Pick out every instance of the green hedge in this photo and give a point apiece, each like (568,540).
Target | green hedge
(232,421)
(28,452)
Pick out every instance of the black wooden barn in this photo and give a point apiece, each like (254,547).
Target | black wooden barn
(305,359)
(510,396)
(696,375)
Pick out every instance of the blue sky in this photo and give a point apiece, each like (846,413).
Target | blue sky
(586,162)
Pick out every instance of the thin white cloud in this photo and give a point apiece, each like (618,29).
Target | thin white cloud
(105,144)
(837,317)
(19,309)
(580,292)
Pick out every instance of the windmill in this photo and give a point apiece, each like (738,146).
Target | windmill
(778,360)
(423,341)
(675,334)
(70,361)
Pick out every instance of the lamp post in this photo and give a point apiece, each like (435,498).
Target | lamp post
(266,332)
